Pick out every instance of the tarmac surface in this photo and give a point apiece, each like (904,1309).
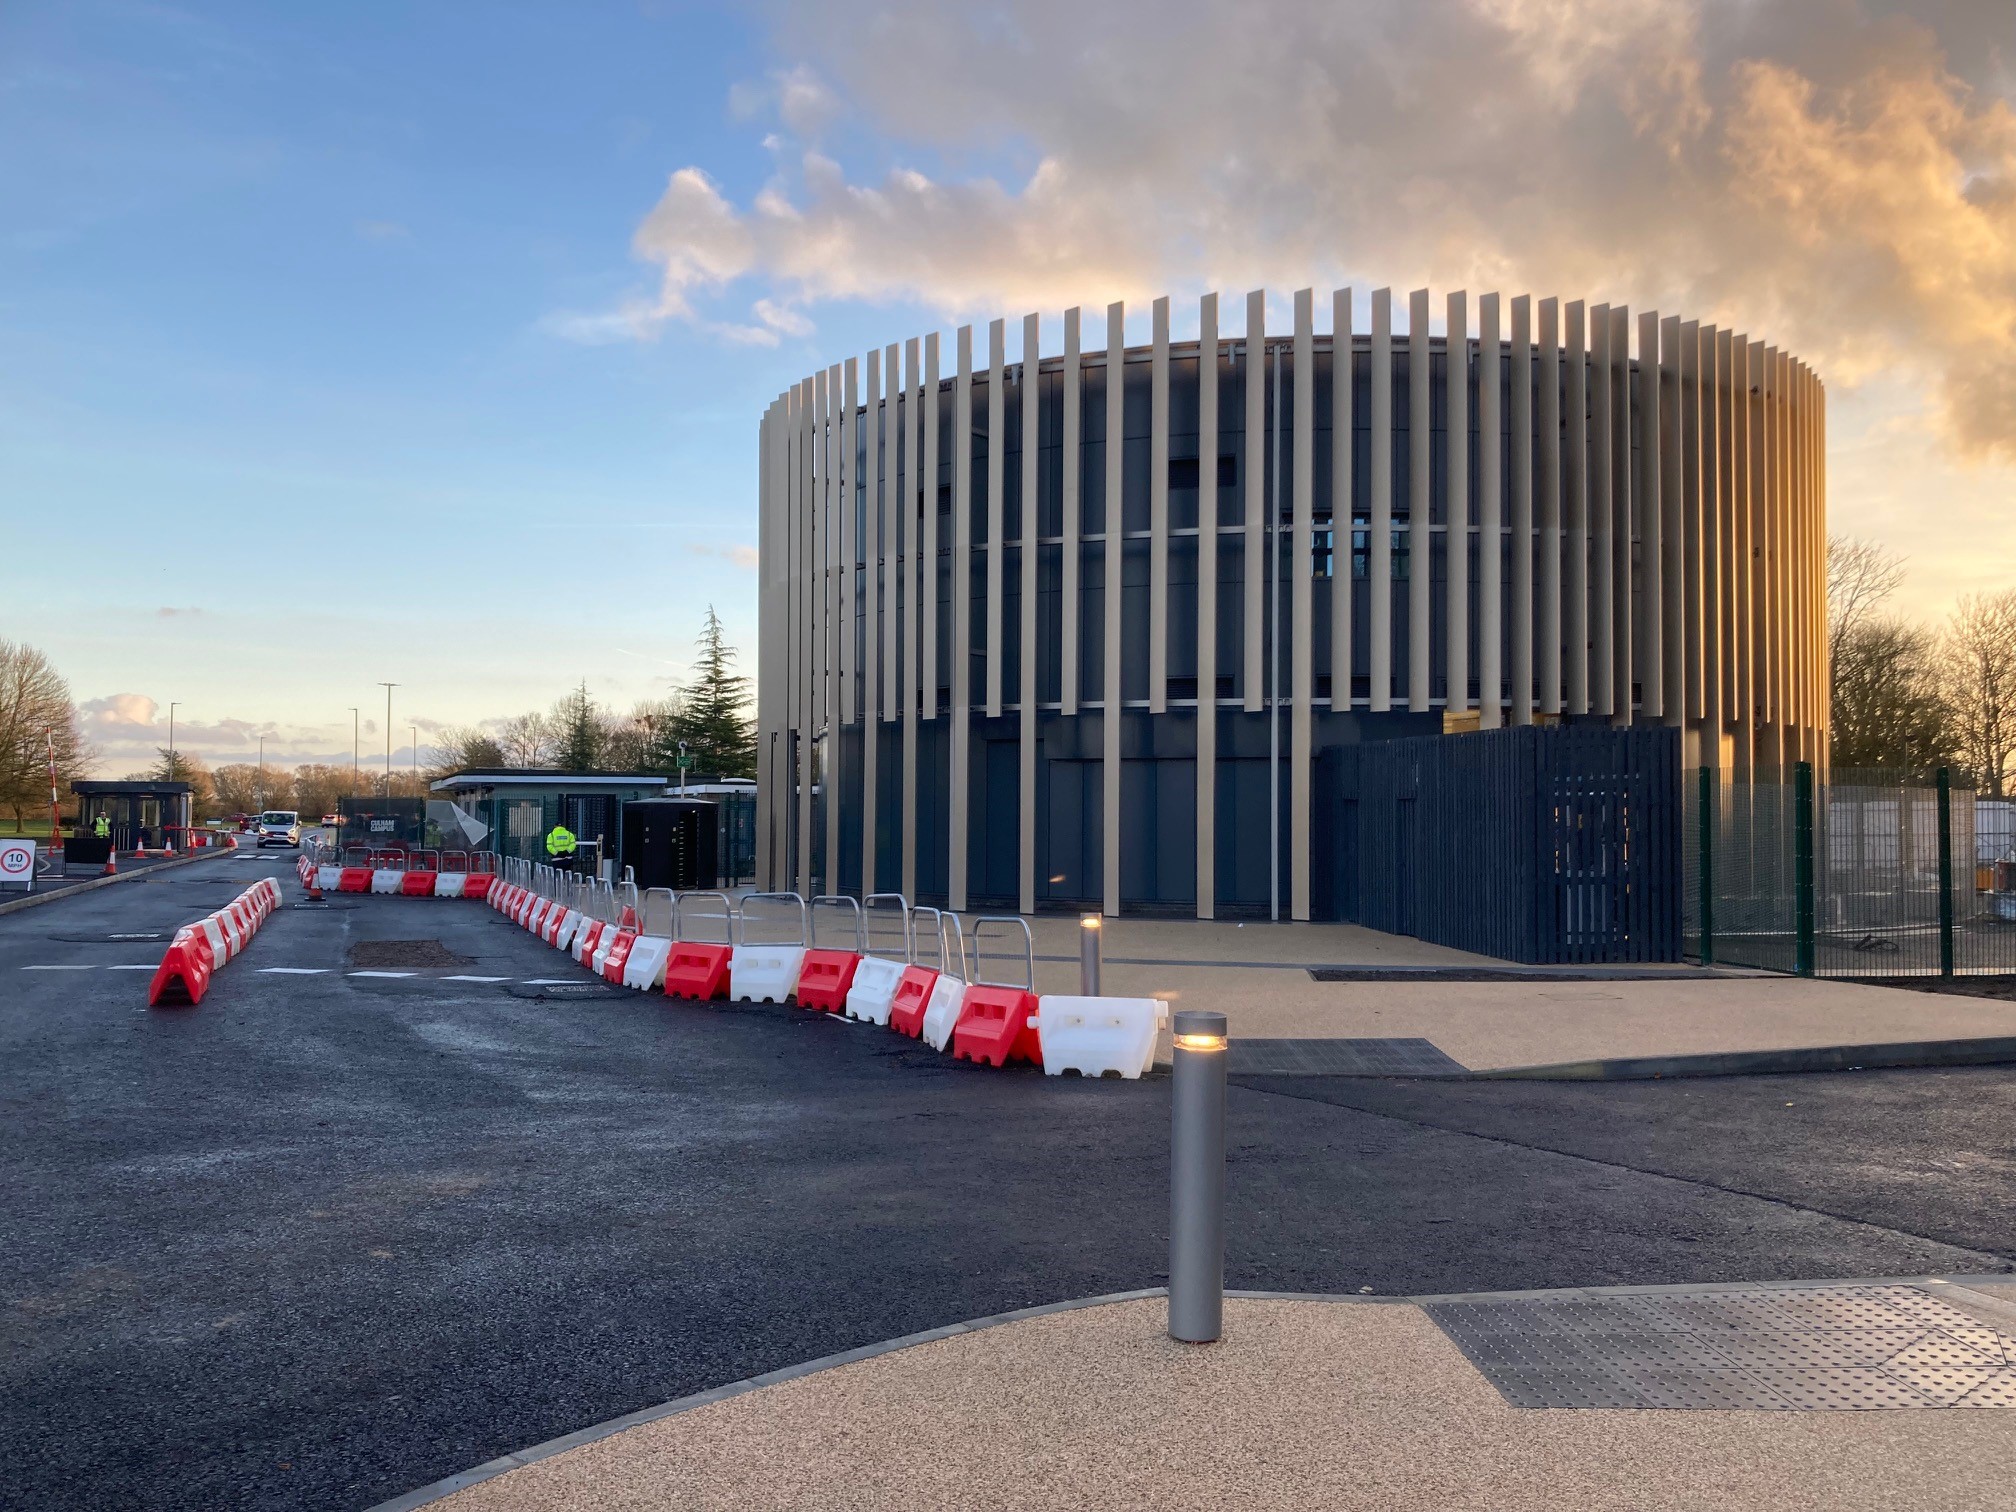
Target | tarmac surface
(330,1236)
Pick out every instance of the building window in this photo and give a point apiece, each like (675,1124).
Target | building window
(1184,472)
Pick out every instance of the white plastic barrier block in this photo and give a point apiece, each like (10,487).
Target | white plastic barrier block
(1094,1035)
(570,922)
(536,920)
(587,937)
(764,973)
(213,931)
(450,884)
(874,988)
(386,880)
(327,877)
(941,1014)
(603,946)
(646,967)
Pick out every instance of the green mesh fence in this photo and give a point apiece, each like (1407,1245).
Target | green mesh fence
(1847,873)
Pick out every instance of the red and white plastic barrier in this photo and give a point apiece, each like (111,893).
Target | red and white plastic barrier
(199,949)
(1095,1035)
(983,1022)
(764,973)
(873,991)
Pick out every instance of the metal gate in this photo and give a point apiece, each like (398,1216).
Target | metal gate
(1543,844)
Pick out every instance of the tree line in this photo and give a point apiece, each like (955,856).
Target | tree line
(710,714)
(1911,698)
(708,719)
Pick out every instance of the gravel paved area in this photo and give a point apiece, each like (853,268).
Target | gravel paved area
(1303,1404)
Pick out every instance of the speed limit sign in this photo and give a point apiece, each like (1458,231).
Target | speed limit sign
(17,864)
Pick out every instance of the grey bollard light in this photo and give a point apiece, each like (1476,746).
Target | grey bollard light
(1090,932)
(1197,1178)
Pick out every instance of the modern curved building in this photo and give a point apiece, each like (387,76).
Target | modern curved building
(1080,629)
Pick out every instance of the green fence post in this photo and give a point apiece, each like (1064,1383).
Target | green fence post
(1802,867)
(1705,819)
(1945,872)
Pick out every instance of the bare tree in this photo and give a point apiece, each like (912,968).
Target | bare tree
(463,748)
(1889,709)
(527,740)
(1861,575)
(243,788)
(1979,667)
(35,713)
(318,787)
(641,741)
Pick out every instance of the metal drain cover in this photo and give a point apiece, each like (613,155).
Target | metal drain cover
(1339,1057)
(1775,1349)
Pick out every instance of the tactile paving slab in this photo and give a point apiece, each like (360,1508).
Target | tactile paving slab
(1777,1349)
(1339,1057)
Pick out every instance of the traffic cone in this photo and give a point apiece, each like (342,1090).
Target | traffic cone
(112,862)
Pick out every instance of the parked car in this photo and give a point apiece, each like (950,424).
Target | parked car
(333,821)
(279,827)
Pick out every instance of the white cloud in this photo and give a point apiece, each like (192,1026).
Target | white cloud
(1823,174)
(118,711)
(1837,181)
(745,557)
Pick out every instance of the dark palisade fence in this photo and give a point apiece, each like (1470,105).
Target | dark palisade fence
(1542,844)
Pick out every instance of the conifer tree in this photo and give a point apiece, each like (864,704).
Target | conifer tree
(713,715)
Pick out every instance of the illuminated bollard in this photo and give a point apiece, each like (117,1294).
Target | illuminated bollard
(1197,1178)
(1090,931)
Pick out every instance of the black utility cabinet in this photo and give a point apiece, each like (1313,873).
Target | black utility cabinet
(672,842)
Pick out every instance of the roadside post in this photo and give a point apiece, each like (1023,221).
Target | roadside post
(1090,932)
(1197,1178)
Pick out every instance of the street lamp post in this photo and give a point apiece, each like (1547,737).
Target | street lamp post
(388,687)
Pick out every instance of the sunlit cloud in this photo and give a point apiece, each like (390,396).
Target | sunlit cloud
(1825,179)
(1822,175)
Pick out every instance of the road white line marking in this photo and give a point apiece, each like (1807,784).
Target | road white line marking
(551,981)
(295,970)
(382,973)
(90,967)
(474,979)
(129,968)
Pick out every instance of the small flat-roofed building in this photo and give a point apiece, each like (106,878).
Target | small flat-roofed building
(141,812)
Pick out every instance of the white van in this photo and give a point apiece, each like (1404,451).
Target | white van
(279,827)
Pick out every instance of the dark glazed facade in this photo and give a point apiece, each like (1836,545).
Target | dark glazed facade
(1567,515)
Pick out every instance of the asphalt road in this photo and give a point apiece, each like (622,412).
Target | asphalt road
(328,1237)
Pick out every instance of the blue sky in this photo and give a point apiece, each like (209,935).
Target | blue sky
(279,412)
(427,342)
